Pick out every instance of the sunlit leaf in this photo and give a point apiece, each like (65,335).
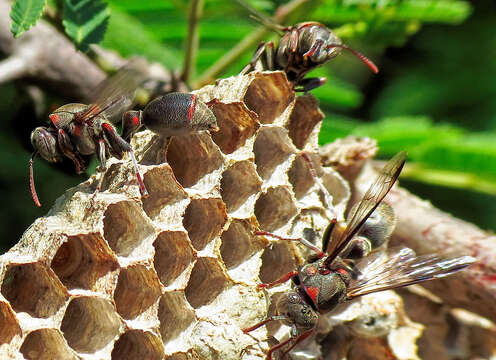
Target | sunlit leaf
(24,14)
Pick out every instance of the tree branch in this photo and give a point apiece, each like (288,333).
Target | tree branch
(192,41)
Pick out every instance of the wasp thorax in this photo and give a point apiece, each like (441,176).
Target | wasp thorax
(178,114)
(45,142)
(379,226)
(298,310)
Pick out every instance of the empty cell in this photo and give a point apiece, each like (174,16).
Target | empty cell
(192,157)
(300,177)
(274,208)
(46,344)
(173,254)
(336,186)
(138,344)
(10,326)
(34,289)
(277,260)
(204,220)
(137,289)
(304,117)
(239,242)
(236,123)
(206,282)
(178,356)
(272,147)
(238,183)
(174,314)
(89,324)
(125,227)
(269,95)
(163,189)
(82,260)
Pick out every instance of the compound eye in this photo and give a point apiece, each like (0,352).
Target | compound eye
(45,142)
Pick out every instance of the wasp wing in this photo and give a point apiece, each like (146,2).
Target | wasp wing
(115,94)
(262,18)
(372,198)
(400,267)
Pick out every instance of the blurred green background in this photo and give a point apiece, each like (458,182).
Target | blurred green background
(434,95)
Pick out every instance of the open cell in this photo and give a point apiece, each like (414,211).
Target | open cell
(174,315)
(163,190)
(46,344)
(269,95)
(137,289)
(82,260)
(274,208)
(138,344)
(204,220)
(206,282)
(305,116)
(277,261)
(10,326)
(272,147)
(89,324)
(34,289)
(192,157)
(173,254)
(300,177)
(238,183)
(239,242)
(125,227)
(236,123)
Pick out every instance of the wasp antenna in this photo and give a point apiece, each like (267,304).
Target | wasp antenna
(31,181)
(362,57)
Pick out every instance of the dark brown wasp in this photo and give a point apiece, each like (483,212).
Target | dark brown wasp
(302,48)
(336,274)
(77,129)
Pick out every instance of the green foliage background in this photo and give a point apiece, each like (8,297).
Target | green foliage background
(433,97)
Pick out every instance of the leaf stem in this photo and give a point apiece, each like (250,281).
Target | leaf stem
(282,13)
(192,40)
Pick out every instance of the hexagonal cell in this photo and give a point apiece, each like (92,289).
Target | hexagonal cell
(178,356)
(238,183)
(174,314)
(137,289)
(34,289)
(239,242)
(300,176)
(124,227)
(10,326)
(305,116)
(173,254)
(277,261)
(192,157)
(269,95)
(204,219)
(336,187)
(274,208)
(46,344)
(163,189)
(272,147)
(206,282)
(237,124)
(82,260)
(138,344)
(89,324)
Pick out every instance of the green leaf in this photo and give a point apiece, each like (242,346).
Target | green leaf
(85,21)
(24,14)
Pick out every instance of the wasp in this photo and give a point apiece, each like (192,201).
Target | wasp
(302,48)
(342,271)
(76,130)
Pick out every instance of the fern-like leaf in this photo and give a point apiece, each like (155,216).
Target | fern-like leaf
(24,14)
(85,21)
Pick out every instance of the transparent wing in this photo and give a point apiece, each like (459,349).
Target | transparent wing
(372,198)
(400,267)
(262,18)
(115,94)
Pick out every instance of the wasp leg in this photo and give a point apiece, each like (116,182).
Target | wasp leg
(309,84)
(302,241)
(283,279)
(256,56)
(268,59)
(102,156)
(120,146)
(66,148)
(293,339)
(131,122)
(262,323)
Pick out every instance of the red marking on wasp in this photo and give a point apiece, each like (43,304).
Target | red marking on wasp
(489,277)
(342,271)
(135,120)
(313,292)
(191,109)
(77,130)
(54,118)
(311,270)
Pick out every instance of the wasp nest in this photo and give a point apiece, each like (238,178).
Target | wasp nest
(109,275)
